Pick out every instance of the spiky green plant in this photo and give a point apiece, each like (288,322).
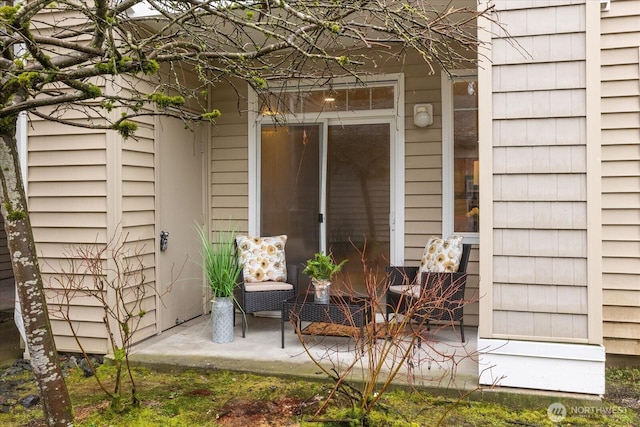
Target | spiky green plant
(219,261)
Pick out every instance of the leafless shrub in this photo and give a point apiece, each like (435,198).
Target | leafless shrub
(113,276)
(392,348)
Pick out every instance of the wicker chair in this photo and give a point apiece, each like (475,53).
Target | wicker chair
(443,293)
(268,296)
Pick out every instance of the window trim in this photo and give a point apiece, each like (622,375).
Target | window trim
(446,82)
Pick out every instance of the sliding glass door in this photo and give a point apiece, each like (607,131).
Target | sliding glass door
(358,199)
(289,187)
(328,190)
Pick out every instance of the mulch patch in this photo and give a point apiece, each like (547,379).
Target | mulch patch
(335,330)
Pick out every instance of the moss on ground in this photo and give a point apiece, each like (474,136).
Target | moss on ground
(222,398)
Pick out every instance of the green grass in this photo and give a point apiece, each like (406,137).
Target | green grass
(623,382)
(206,398)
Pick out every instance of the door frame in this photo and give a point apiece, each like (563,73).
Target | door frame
(394,116)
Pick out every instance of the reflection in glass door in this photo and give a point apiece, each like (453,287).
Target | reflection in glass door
(357,199)
(289,190)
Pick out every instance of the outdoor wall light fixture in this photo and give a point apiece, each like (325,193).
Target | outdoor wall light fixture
(422,115)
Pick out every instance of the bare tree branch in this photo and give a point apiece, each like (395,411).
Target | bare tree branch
(262,42)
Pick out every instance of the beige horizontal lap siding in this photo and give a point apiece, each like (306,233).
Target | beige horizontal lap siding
(138,216)
(75,315)
(620,92)
(79,183)
(423,166)
(88,187)
(67,193)
(229,187)
(423,177)
(539,172)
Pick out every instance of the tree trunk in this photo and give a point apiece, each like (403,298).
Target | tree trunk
(40,343)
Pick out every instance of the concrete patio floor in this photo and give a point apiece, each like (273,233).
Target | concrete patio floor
(443,362)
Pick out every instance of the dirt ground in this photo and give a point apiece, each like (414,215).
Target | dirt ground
(243,413)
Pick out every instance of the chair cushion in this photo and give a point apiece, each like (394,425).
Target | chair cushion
(267,286)
(441,255)
(412,290)
(262,258)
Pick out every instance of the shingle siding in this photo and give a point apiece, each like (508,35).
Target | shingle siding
(539,171)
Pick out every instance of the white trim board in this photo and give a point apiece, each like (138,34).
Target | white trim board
(575,368)
(448,200)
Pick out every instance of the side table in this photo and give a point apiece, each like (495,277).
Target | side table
(341,310)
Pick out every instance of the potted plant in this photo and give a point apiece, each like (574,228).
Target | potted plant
(221,269)
(321,269)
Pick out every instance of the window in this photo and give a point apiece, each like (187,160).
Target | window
(329,100)
(461,194)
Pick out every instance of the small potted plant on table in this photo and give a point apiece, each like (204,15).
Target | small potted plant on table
(321,268)
(221,270)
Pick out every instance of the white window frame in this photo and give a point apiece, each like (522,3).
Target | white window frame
(448,155)
(397,150)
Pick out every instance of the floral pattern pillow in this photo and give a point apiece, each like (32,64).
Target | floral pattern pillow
(441,255)
(262,258)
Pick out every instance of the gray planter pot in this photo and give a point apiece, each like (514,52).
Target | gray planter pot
(321,291)
(222,319)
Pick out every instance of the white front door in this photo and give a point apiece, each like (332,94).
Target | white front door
(180,208)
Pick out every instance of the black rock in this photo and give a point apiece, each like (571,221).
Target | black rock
(86,369)
(30,400)
(72,362)
(83,363)
(22,364)
(12,370)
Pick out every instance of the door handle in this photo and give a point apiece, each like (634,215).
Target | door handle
(164,240)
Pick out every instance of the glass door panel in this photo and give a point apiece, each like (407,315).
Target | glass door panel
(358,197)
(289,190)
